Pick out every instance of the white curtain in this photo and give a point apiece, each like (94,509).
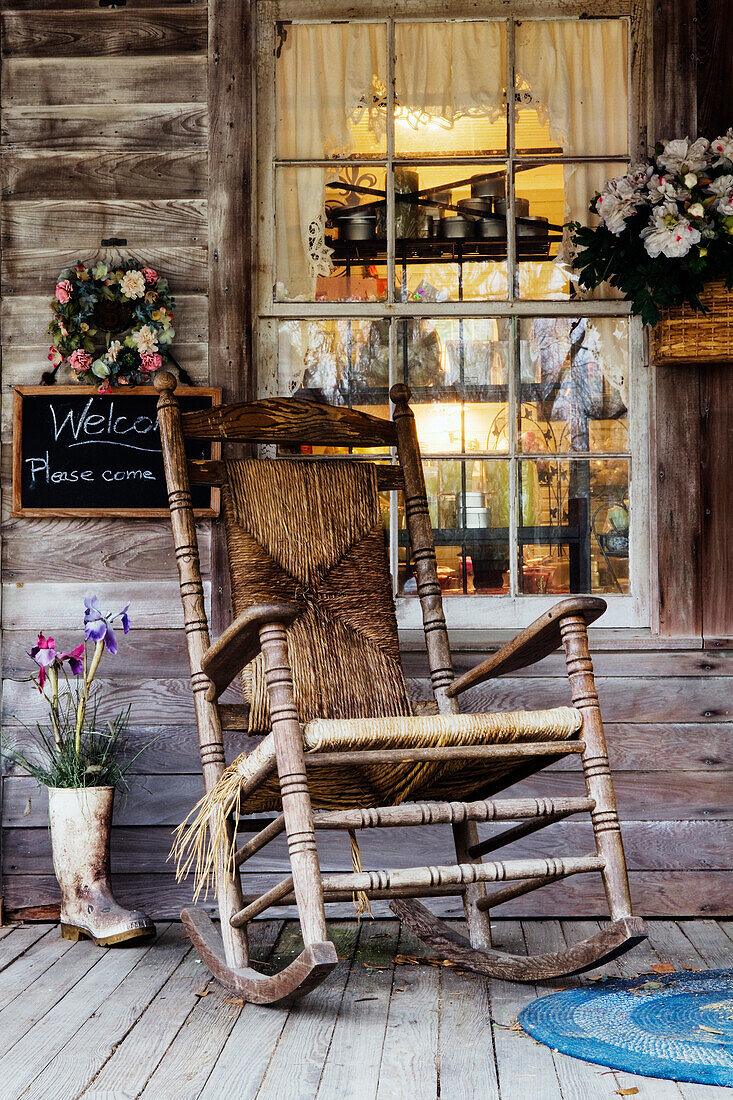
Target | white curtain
(328,75)
(331,75)
(577,73)
(447,71)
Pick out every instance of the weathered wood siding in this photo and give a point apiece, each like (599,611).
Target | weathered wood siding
(132,124)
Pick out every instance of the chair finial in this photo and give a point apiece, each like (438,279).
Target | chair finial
(400,393)
(164,381)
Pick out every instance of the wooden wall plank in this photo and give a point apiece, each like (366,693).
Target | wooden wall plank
(35,606)
(28,606)
(624,662)
(103,32)
(230,67)
(155,126)
(167,799)
(716,565)
(678,500)
(649,845)
(654,894)
(25,319)
(85,224)
(46,81)
(627,700)
(132,176)
(83,5)
(114,551)
(173,748)
(714,46)
(31,271)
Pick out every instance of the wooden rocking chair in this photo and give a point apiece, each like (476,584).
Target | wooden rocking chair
(315,639)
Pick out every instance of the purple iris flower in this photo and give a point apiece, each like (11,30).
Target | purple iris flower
(45,655)
(98,627)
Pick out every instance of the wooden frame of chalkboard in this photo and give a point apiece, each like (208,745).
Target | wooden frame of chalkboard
(79,416)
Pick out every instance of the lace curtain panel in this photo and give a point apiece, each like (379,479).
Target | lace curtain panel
(331,77)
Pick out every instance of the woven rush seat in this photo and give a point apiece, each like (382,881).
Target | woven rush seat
(367,785)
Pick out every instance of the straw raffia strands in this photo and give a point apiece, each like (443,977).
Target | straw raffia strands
(369,785)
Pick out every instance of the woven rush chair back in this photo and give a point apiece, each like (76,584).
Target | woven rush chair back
(311,533)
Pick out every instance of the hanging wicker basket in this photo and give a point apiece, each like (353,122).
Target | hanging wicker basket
(684,335)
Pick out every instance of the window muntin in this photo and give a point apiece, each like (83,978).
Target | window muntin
(481,372)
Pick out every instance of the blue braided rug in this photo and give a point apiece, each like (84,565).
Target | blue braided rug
(674,1026)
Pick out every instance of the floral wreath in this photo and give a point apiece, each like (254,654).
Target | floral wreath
(112,325)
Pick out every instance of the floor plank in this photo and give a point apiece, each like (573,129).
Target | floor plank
(46,1038)
(466,1056)
(49,987)
(410,1055)
(525,1068)
(17,939)
(93,1044)
(358,1037)
(203,1033)
(234,1073)
(32,959)
(296,1066)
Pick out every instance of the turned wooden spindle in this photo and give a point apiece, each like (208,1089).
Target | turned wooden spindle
(422,545)
(211,744)
(306,871)
(604,815)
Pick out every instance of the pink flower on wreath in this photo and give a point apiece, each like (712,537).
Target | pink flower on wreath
(105,388)
(150,361)
(80,361)
(150,275)
(55,357)
(64,290)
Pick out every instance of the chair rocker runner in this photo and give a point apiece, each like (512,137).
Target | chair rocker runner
(343,747)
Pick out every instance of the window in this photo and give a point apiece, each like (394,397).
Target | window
(410,227)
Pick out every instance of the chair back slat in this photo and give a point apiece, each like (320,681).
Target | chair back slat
(289,421)
(311,533)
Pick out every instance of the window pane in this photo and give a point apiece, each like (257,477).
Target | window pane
(331,81)
(547,197)
(450,88)
(469,512)
(574,526)
(328,228)
(344,362)
(573,391)
(448,247)
(572,86)
(457,370)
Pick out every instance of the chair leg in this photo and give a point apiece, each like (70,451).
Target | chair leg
(211,744)
(596,768)
(297,809)
(478,921)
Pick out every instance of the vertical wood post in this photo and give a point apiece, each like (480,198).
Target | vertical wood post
(211,744)
(297,809)
(422,545)
(606,828)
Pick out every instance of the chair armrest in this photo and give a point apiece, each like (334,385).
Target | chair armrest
(536,641)
(240,643)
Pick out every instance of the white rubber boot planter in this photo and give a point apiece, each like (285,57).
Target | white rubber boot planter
(81,818)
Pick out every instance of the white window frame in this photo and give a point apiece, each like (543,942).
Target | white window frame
(474,611)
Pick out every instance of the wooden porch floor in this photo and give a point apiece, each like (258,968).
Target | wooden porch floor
(80,1021)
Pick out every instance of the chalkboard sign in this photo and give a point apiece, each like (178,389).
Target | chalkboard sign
(77,452)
